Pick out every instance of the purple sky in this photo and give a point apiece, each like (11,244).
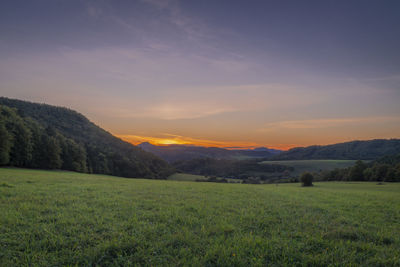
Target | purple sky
(247,73)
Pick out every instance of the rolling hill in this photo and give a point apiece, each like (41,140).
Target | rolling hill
(354,150)
(173,153)
(49,137)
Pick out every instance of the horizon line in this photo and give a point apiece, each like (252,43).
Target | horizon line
(165,142)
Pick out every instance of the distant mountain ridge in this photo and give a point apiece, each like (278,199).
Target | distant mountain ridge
(172,153)
(266,149)
(354,150)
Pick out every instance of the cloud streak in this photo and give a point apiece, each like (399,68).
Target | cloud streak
(326,123)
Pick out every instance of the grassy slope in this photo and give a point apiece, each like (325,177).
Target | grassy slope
(63,218)
(186,177)
(301,166)
(193,177)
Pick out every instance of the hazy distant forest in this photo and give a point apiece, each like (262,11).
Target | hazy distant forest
(253,171)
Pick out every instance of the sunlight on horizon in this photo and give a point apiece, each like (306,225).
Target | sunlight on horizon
(181,140)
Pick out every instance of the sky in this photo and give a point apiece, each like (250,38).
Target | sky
(223,73)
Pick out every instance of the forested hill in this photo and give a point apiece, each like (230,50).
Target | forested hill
(367,150)
(173,153)
(48,137)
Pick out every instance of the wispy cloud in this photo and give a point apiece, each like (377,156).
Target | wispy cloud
(325,123)
(182,111)
(135,83)
(93,10)
(194,30)
(206,101)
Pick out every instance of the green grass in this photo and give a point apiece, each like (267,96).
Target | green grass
(52,218)
(193,177)
(186,177)
(301,166)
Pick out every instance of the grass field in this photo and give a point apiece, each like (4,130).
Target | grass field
(192,178)
(301,166)
(52,218)
(186,177)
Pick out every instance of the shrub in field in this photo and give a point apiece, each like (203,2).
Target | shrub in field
(307,179)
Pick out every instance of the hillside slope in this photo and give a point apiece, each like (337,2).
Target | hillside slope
(367,150)
(102,152)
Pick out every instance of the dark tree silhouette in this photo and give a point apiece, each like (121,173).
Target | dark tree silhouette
(307,179)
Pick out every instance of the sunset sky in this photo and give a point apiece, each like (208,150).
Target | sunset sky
(221,73)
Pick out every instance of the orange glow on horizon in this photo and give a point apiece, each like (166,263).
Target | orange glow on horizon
(180,140)
(169,142)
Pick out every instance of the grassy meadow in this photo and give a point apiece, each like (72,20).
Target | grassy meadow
(186,177)
(195,178)
(54,218)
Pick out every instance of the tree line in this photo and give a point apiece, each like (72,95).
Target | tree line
(385,169)
(228,168)
(24,143)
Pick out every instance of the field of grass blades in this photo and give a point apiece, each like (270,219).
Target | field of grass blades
(54,218)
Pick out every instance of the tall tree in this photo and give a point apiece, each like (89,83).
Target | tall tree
(357,171)
(21,151)
(5,145)
(52,152)
(73,155)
